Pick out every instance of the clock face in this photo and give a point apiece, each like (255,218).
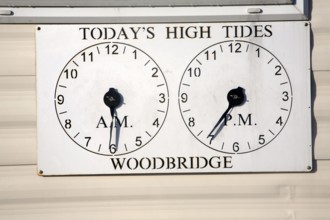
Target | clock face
(111,98)
(235,97)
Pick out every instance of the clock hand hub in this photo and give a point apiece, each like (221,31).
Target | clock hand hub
(112,99)
(235,97)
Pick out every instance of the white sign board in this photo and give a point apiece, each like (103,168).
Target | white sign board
(174,98)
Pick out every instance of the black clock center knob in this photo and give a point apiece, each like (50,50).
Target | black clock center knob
(236,97)
(112,99)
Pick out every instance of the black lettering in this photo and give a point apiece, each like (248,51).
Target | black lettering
(96,33)
(197,162)
(241,119)
(241,31)
(150,33)
(170,161)
(120,123)
(236,31)
(248,31)
(258,31)
(227,30)
(155,159)
(148,163)
(135,32)
(205,30)
(129,163)
(171,33)
(192,162)
(228,118)
(245,31)
(205,162)
(109,33)
(118,162)
(105,33)
(181,33)
(112,35)
(190,34)
(122,33)
(268,29)
(84,32)
(181,162)
(217,163)
(227,162)
(101,122)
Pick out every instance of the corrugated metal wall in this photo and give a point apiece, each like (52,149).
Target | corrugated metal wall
(24,195)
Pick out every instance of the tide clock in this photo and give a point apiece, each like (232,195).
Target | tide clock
(174,98)
(111,98)
(247,100)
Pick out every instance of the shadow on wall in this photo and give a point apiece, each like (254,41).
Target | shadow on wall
(313,86)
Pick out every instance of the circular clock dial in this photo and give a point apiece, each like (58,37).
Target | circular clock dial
(235,97)
(111,98)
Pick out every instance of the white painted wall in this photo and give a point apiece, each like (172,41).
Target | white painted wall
(24,195)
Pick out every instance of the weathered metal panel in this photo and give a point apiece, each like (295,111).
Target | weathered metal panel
(209,91)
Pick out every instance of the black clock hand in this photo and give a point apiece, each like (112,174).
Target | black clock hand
(235,98)
(112,147)
(112,99)
(217,124)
